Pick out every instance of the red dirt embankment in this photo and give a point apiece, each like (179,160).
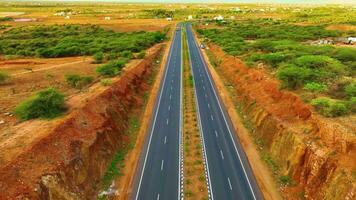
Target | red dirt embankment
(71,160)
(317,153)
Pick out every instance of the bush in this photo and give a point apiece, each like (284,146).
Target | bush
(345,54)
(325,63)
(48,103)
(293,77)
(112,68)
(273,59)
(141,55)
(126,54)
(98,57)
(285,180)
(350,90)
(106,82)
(330,107)
(316,87)
(3,77)
(77,81)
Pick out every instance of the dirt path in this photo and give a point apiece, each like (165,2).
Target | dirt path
(47,68)
(260,170)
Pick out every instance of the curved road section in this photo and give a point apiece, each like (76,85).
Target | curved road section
(159,172)
(229,172)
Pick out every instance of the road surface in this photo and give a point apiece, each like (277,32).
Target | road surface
(159,170)
(229,173)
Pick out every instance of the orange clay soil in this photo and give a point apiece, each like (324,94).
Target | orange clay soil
(316,153)
(67,157)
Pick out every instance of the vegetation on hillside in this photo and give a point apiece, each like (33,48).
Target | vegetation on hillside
(318,69)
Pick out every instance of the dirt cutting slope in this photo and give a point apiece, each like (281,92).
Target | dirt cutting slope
(316,153)
(71,160)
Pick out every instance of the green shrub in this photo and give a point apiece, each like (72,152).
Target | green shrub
(98,57)
(325,63)
(48,103)
(141,55)
(273,59)
(6,19)
(285,180)
(350,90)
(126,54)
(112,68)
(330,107)
(106,82)
(315,87)
(3,77)
(77,81)
(293,77)
(346,54)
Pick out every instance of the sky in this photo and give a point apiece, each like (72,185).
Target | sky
(224,1)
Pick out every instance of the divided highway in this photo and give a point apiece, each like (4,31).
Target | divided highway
(229,173)
(159,171)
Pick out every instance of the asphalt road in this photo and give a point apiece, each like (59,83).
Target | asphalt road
(159,170)
(229,172)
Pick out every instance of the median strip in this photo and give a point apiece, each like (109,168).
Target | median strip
(195,186)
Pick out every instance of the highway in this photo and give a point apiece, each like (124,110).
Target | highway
(159,169)
(229,173)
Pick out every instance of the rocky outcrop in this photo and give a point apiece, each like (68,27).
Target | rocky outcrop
(317,153)
(70,162)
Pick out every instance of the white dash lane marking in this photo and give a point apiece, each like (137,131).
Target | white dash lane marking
(170,96)
(165,139)
(208,105)
(216,133)
(167,121)
(228,179)
(162,164)
(206,96)
(212,118)
(203,87)
(222,155)
(158,196)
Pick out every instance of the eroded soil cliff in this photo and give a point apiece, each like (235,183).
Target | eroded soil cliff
(317,154)
(70,161)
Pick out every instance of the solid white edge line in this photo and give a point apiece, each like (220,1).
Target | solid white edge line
(154,122)
(201,127)
(223,114)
